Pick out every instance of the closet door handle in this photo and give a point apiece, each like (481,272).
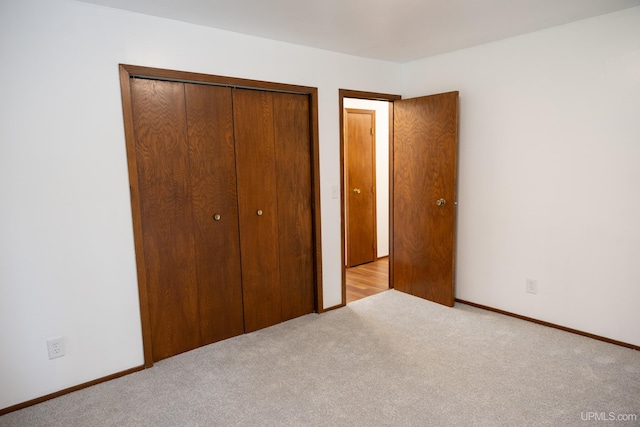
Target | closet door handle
(259,212)
(216,217)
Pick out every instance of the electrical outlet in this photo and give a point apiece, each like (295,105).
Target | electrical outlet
(55,347)
(532,286)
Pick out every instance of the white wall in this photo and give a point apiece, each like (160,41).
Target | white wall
(550,171)
(382,166)
(67,263)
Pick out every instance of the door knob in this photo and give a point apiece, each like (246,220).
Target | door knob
(216,217)
(259,212)
(441,202)
(356,190)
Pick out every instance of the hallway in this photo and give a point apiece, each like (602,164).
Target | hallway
(367,279)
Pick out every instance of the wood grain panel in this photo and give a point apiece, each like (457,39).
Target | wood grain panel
(213,184)
(163,180)
(293,175)
(255,169)
(425,170)
(360,206)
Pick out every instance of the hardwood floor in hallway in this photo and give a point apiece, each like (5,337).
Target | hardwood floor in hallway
(367,279)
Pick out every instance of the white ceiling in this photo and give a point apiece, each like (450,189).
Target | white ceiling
(391,30)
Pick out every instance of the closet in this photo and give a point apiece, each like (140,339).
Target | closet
(224,187)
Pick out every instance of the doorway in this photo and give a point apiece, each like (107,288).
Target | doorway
(365,144)
(422,207)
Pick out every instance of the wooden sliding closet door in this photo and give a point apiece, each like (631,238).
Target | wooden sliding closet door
(224,182)
(293,175)
(257,205)
(274,196)
(187,185)
(215,211)
(162,157)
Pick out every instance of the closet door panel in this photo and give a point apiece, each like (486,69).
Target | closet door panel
(163,180)
(256,177)
(215,211)
(293,173)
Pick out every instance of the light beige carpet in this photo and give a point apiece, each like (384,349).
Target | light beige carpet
(388,360)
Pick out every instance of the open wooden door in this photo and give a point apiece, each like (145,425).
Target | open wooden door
(425,151)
